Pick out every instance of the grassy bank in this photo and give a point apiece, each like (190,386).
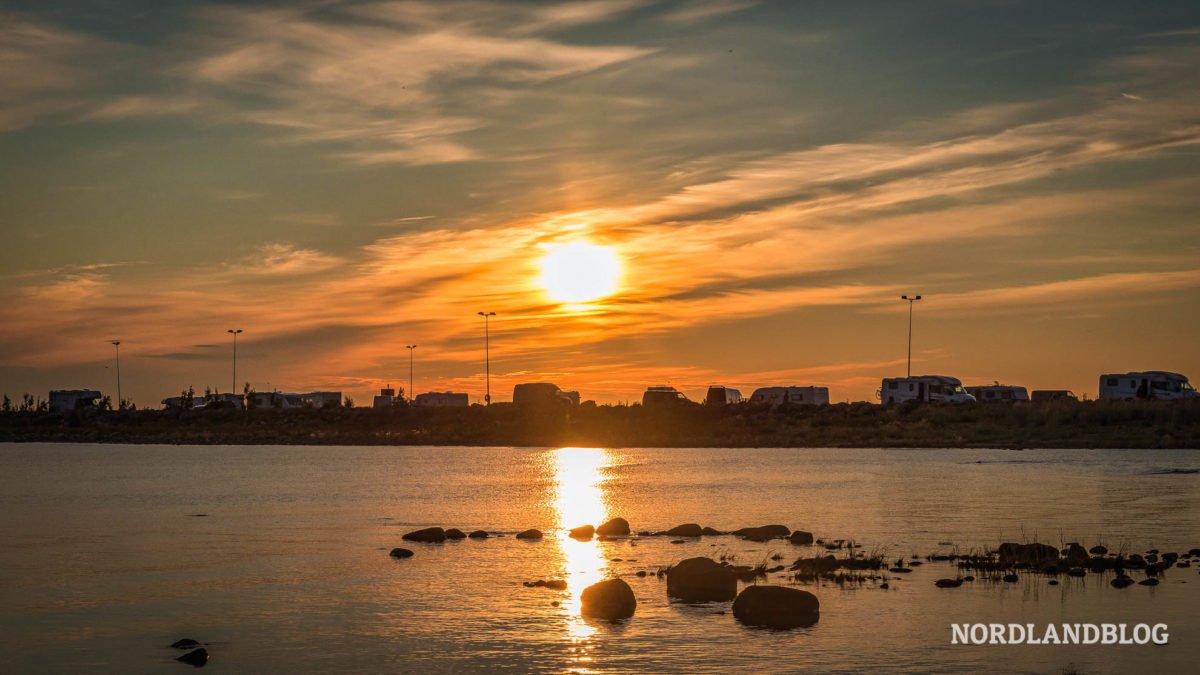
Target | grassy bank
(1062,424)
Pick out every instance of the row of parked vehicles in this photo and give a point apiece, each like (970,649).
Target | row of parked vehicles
(1145,385)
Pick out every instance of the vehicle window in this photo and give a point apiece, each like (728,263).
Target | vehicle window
(893,385)
(1112,381)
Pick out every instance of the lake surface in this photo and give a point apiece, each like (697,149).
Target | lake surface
(104,563)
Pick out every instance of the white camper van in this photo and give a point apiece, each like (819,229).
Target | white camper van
(777,396)
(1151,384)
(925,388)
(991,393)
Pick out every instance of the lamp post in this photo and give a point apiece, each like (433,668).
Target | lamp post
(487,358)
(117,345)
(911,300)
(234,332)
(410,349)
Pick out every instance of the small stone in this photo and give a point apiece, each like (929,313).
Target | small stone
(401,553)
(197,658)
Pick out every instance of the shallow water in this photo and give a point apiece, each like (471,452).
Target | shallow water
(104,563)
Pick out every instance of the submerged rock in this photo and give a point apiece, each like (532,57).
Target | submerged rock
(801,538)
(688,530)
(611,599)
(478,534)
(1010,578)
(617,527)
(1077,572)
(401,553)
(777,607)
(433,535)
(763,533)
(701,580)
(185,643)
(530,534)
(197,658)
(948,583)
(1148,582)
(1121,582)
(584,532)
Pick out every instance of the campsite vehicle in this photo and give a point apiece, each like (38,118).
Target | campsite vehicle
(777,396)
(662,396)
(1151,384)
(1039,395)
(543,394)
(924,388)
(991,393)
(718,395)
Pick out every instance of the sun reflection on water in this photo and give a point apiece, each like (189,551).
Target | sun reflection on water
(580,500)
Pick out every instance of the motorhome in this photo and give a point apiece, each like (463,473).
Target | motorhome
(1151,384)
(66,400)
(992,393)
(718,395)
(777,396)
(535,394)
(924,388)
(441,399)
(663,396)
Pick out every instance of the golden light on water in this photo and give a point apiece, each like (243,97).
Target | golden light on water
(580,272)
(579,500)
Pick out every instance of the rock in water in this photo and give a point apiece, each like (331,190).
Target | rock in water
(401,553)
(688,530)
(763,533)
(1029,554)
(776,607)
(584,532)
(185,643)
(1076,555)
(610,600)
(801,538)
(701,580)
(617,527)
(1098,550)
(948,583)
(1121,582)
(711,532)
(478,534)
(434,535)
(455,533)
(530,534)
(197,658)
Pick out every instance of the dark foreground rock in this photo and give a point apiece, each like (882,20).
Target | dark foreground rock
(197,658)
(763,533)
(185,643)
(776,607)
(617,527)
(401,553)
(584,532)
(1121,582)
(801,538)
(687,530)
(431,535)
(478,534)
(711,532)
(610,600)
(1027,554)
(455,533)
(530,534)
(701,580)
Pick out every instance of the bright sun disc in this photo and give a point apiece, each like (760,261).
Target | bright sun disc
(580,272)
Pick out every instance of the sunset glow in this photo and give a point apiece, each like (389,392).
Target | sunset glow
(580,272)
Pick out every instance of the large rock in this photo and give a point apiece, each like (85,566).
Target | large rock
(776,607)
(433,535)
(530,534)
(701,580)
(801,538)
(455,533)
(611,599)
(614,528)
(1027,554)
(688,530)
(1076,554)
(763,533)
(583,532)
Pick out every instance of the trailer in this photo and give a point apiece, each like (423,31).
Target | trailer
(923,388)
(778,396)
(993,393)
(1157,385)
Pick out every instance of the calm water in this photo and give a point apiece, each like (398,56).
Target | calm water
(102,563)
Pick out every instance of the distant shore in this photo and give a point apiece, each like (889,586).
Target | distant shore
(1059,424)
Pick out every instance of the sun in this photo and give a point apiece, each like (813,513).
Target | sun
(580,272)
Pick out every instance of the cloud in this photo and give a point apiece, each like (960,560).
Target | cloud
(702,10)
(42,69)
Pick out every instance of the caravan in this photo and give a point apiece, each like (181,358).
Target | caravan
(992,393)
(1151,384)
(777,396)
(924,388)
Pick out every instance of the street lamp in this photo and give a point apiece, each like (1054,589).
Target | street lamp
(410,349)
(234,332)
(911,300)
(117,345)
(487,358)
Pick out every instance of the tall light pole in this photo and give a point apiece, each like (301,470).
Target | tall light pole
(117,345)
(410,349)
(487,358)
(234,332)
(911,300)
